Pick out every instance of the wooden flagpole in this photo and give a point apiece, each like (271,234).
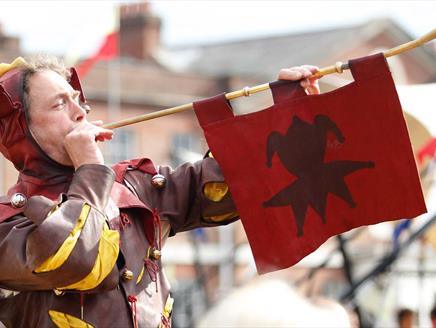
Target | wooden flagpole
(339,67)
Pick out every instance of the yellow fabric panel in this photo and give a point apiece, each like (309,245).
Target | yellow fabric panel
(59,258)
(215,191)
(168,307)
(5,67)
(63,320)
(223,217)
(141,274)
(108,250)
(167,310)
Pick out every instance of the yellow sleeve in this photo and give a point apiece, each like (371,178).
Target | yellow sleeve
(59,258)
(108,250)
(63,320)
(215,191)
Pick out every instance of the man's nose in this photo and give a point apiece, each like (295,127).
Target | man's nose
(78,112)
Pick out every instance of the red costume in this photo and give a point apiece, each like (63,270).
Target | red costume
(82,248)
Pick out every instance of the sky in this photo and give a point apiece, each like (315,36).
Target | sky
(65,27)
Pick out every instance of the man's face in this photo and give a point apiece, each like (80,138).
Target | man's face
(54,111)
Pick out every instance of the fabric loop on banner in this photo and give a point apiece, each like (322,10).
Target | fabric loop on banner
(213,109)
(377,65)
(283,90)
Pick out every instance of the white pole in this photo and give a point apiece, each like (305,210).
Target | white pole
(113,97)
(114,83)
(226,267)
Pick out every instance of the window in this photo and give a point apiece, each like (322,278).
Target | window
(121,147)
(185,147)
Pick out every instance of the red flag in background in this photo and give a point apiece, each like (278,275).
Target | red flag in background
(108,50)
(313,166)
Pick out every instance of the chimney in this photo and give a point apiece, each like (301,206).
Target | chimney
(139,31)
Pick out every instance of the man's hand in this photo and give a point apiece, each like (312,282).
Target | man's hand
(81,143)
(304,74)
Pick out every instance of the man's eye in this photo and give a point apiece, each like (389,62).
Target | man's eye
(61,103)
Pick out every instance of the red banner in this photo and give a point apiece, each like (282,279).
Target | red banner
(313,166)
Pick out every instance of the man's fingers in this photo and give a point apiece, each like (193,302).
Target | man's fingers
(305,83)
(304,74)
(93,131)
(103,137)
(310,85)
(92,127)
(98,123)
(313,90)
(308,82)
(288,74)
(311,68)
(297,72)
(103,134)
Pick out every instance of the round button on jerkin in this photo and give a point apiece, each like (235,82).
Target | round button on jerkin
(18,200)
(154,254)
(158,181)
(127,274)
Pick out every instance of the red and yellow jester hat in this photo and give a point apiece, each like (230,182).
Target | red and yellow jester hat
(16,141)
